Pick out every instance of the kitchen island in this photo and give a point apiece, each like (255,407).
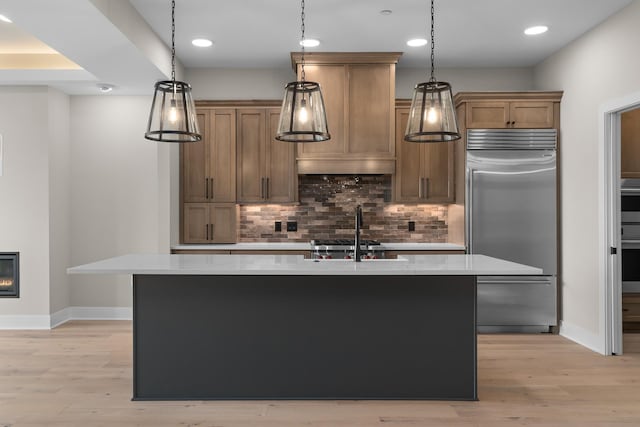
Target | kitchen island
(282,327)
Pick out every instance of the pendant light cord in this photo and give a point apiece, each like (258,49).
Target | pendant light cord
(173,40)
(302,42)
(433,45)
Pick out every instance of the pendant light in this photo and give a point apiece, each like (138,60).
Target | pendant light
(432,117)
(173,113)
(302,117)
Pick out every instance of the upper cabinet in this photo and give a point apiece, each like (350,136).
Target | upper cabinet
(265,166)
(630,138)
(528,110)
(424,172)
(359,96)
(209,166)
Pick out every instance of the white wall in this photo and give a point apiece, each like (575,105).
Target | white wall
(24,199)
(225,84)
(115,192)
(466,79)
(599,66)
(59,199)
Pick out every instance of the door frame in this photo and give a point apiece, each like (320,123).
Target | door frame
(610,289)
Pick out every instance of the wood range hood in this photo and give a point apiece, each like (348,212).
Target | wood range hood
(359,95)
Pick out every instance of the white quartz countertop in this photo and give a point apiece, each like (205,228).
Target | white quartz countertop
(306,246)
(270,265)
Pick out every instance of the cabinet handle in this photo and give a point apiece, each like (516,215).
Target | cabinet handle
(206,190)
(206,230)
(262,188)
(267,188)
(420,188)
(212,230)
(426,188)
(211,186)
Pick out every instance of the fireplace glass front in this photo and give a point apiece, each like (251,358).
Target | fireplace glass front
(9,274)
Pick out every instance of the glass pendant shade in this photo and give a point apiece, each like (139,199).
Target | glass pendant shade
(303,117)
(432,117)
(173,114)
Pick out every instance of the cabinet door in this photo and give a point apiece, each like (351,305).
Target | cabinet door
(222,223)
(222,155)
(332,79)
(438,172)
(280,164)
(370,108)
(487,115)
(195,221)
(251,155)
(630,137)
(408,184)
(531,114)
(194,157)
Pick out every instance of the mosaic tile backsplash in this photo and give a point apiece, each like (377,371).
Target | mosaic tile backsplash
(327,211)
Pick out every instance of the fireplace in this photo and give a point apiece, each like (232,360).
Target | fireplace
(9,274)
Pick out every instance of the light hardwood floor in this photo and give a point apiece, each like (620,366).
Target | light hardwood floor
(80,375)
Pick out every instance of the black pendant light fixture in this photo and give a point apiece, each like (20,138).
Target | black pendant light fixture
(302,117)
(432,117)
(173,113)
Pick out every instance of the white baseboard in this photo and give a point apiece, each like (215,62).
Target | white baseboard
(24,321)
(60,317)
(63,316)
(101,313)
(582,336)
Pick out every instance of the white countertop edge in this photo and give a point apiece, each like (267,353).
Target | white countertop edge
(305,246)
(272,265)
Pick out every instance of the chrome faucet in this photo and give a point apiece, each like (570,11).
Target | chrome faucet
(357,255)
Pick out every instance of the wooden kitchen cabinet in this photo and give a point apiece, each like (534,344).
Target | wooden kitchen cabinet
(523,114)
(630,140)
(424,171)
(209,223)
(265,166)
(631,312)
(209,166)
(359,95)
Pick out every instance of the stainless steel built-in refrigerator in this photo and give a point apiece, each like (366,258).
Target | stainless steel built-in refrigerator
(511,214)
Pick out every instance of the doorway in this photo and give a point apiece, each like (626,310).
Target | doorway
(610,225)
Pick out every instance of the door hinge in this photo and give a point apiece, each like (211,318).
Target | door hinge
(614,251)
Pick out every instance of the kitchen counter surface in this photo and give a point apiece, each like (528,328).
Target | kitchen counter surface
(305,246)
(290,265)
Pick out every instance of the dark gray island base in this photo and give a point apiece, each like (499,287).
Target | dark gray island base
(202,337)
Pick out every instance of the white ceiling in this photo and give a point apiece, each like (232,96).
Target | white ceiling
(469,33)
(124,42)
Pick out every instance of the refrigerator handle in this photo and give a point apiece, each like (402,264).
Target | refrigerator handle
(468,209)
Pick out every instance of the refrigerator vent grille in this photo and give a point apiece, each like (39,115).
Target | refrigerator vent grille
(511,139)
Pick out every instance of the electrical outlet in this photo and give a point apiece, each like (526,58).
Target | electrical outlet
(412,226)
(278,226)
(292,226)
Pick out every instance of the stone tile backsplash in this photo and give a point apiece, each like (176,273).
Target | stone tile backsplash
(327,211)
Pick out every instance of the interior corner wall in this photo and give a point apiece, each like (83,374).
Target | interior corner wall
(59,200)
(115,192)
(600,66)
(24,199)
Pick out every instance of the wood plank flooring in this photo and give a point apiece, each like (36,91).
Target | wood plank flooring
(80,375)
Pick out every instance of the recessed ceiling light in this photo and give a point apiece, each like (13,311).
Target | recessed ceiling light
(309,42)
(538,29)
(201,42)
(105,87)
(417,42)
(5,19)
(386,12)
